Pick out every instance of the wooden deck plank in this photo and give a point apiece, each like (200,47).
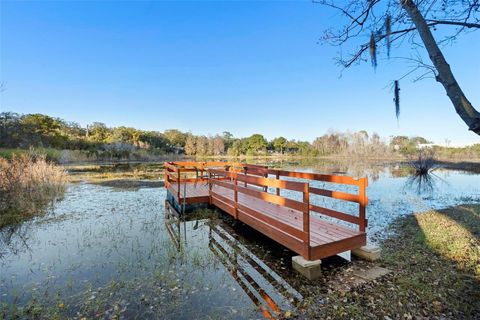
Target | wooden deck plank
(195,192)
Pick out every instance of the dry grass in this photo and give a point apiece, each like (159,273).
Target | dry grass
(28,184)
(434,257)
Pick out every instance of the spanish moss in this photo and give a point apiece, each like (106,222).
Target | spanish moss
(373,51)
(388,31)
(396,99)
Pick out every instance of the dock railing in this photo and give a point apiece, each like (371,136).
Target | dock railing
(360,197)
(177,172)
(276,187)
(237,182)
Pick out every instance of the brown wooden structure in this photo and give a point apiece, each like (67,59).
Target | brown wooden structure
(262,198)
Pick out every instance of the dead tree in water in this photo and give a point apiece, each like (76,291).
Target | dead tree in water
(390,23)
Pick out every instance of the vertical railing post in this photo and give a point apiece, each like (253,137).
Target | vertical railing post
(210,187)
(277,176)
(235,195)
(202,169)
(245,169)
(265,175)
(362,193)
(178,184)
(306,218)
(165,179)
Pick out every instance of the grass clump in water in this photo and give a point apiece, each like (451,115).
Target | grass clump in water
(28,184)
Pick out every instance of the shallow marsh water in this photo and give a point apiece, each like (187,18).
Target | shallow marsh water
(110,252)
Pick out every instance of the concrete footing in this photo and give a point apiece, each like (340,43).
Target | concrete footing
(310,269)
(368,252)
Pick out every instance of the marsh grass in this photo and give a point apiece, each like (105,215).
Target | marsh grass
(28,184)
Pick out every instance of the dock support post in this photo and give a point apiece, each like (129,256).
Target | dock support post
(312,270)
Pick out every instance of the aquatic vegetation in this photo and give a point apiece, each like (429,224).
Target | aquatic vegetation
(424,162)
(28,183)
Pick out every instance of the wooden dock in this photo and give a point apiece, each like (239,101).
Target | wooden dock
(261,198)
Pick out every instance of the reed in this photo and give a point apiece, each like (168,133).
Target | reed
(28,184)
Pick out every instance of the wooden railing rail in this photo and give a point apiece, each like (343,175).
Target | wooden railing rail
(360,197)
(314,176)
(302,234)
(170,166)
(290,203)
(269,182)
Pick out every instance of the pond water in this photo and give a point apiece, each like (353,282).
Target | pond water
(109,252)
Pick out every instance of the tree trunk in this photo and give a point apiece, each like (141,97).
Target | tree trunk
(444,74)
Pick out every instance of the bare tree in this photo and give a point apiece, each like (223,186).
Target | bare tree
(391,23)
(218,145)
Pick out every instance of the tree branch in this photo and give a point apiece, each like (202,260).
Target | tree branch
(455,23)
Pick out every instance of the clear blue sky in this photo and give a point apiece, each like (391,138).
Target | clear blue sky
(207,67)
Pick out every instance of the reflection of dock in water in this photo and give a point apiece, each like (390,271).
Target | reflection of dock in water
(173,225)
(267,290)
(265,287)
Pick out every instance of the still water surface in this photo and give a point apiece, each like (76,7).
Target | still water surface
(106,251)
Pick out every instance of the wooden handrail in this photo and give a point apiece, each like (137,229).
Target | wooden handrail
(170,166)
(315,176)
(268,182)
(335,214)
(209,164)
(336,194)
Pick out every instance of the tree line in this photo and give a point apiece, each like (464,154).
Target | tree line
(39,130)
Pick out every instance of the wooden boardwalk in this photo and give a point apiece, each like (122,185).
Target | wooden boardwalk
(242,191)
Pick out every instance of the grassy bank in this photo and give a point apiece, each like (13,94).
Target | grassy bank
(435,262)
(27,185)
